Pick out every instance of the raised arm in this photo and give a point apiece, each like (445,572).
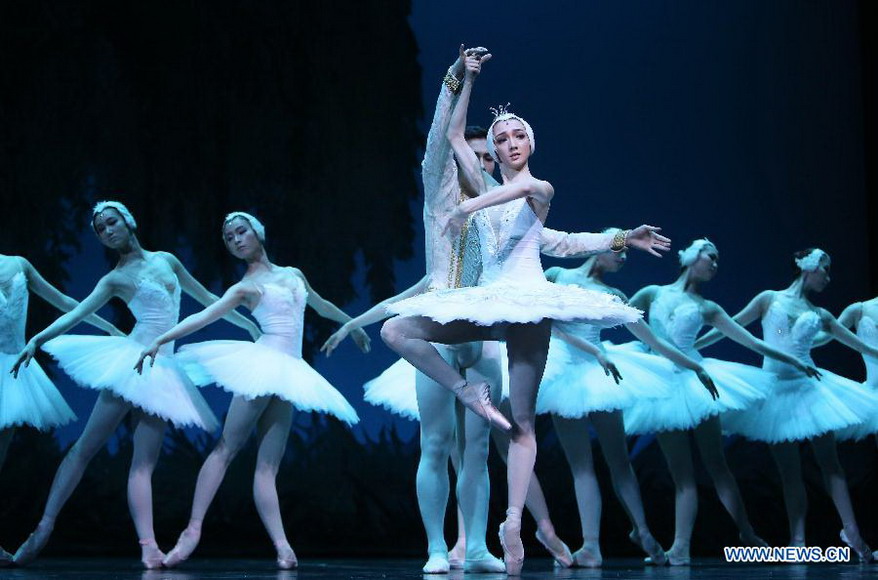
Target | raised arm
(232,298)
(749,314)
(196,290)
(845,336)
(327,309)
(42,288)
(468,164)
(106,288)
(375,314)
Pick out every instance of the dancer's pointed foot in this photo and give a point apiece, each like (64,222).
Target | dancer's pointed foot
(457,555)
(150,554)
(186,544)
(513,549)
(5,558)
(484,563)
(34,544)
(676,556)
(654,553)
(588,556)
(752,539)
(558,549)
(477,398)
(856,543)
(436,564)
(286,558)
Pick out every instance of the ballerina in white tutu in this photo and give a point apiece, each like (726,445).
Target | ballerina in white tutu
(586,383)
(677,312)
(30,399)
(150,284)
(268,378)
(800,408)
(514,301)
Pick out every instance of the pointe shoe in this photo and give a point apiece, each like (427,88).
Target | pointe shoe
(150,554)
(678,557)
(5,558)
(286,558)
(485,564)
(513,550)
(754,540)
(558,549)
(588,557)
(457,556)
(186,544)
(436,564)
(477,398)
(32,547)
(864,553)
(655,555)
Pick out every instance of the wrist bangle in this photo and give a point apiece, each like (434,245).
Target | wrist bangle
(619,241)
(453,83)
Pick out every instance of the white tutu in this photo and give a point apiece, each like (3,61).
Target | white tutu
(394,389)
(31,399)
(800,408)
(254,370)
(107,363)
(688,403)
(574,383)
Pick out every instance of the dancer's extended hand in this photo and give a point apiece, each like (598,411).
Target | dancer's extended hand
(333,341)
(648,239)
(472,61)
(362,340)
(809,370)
(610,369)
(457,67)
(708,383)
(455,222)
(150,352)
(24,358)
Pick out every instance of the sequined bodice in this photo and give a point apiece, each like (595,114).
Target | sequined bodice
(13,313)
(677,317)
(867,330)
(156,308)
(281,316)
(511,247)
(792,335)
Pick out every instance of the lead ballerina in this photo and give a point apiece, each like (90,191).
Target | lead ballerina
(514,301)
(268,378)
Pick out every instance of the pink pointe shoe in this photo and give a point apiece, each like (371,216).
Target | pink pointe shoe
(150,554)
(558,549)
(477,398)
(513,550)
(32,547)
(588,556)
(186,544)
(655,555)
(286,558)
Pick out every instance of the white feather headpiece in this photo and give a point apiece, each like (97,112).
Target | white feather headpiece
(502,113)
(257,226)
(690,254)
(119,207)
(811,262)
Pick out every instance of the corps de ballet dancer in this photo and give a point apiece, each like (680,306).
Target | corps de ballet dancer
(800,408)
(514,300)
(587,384)
(30,399)
(150,284)
(268,378)
(677,312)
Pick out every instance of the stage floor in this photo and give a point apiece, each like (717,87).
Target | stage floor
(702,569)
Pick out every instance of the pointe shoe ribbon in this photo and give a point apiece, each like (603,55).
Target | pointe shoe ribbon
(477,398)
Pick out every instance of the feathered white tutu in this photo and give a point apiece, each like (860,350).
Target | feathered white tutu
(254,370)
(504,302)
(688,403)
(800,407)
(31,399)
(394,389)
(107,363)
(574,383)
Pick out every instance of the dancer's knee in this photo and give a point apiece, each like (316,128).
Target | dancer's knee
(436,446)
(392,333)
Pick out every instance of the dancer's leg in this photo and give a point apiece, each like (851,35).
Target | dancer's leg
(611,434)
(149,432)
(273,432)
(108,412)
(789,464)
(457,554)
(708,436)
(241,419)
(678,453)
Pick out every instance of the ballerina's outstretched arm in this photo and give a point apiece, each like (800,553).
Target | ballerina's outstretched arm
(849,318)
(42,288)
(375,314)
(470,170)
(840,333)
(327,309)
(749,314)
(610,369)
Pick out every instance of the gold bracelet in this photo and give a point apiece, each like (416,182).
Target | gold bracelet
(618,243)
(453,83)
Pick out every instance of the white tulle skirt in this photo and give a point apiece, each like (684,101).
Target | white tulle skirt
(254,370)
(800,408)
(504,302)
(31,399)
(574,383)
(107,363)
(688,403)
(394,389)
(870,423)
